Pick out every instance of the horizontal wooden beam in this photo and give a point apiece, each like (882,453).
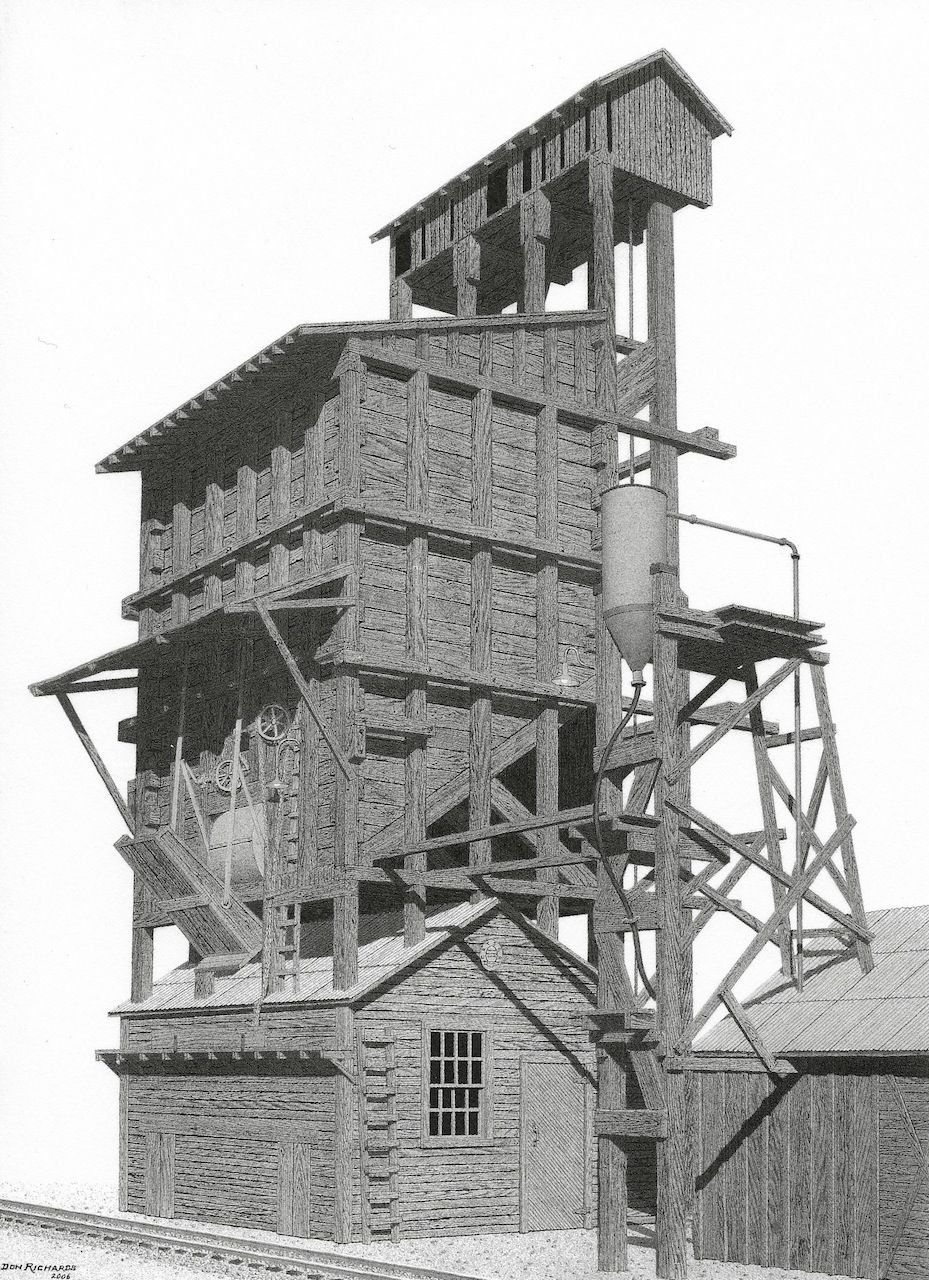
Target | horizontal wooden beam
(229,555)
(420,522)
(704,441)
(788,739)
(282,606)
(448,676)
(564,818)
(102,686)
(638,1123)
(460,878)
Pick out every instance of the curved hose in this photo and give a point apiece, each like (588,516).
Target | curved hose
(616,879)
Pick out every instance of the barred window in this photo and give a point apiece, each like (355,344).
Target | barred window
(457,1083)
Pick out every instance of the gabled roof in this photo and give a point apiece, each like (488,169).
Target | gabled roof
(282,358)
(842,1010)
(716,122)
(382,961)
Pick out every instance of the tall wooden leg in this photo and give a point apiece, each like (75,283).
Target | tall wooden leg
(674,983)
(546,752)
(481,740)
(769,817)
(840,811)
(612,1161)
(675,961)
(417,568)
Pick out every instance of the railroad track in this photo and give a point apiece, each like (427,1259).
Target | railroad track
(161,1236)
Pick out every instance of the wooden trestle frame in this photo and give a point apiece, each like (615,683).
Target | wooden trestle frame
(658,825)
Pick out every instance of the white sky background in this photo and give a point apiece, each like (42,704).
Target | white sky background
(183,182)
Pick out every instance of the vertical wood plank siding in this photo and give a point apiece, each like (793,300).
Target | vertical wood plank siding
(818,1172)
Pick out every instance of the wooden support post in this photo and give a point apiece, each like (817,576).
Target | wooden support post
(675,958)
(417,571)
(401,300)
(180,543)
(612,1160)
(662,338)
(281,505)
(840,811)
(149,551)
(313,488)
(601,273)
(466,274)
(143,944)
(246,515)
(613,981)
(177,775)
(142,962)
(535,229)
(481,738)
(546,752)
(213,523)
(769,817)
(345,906)
(235,770)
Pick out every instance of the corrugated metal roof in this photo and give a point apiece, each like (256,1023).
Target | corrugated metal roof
(841,1009)
(381,956)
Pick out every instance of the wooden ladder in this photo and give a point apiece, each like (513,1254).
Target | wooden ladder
(286,943)
(380,1156)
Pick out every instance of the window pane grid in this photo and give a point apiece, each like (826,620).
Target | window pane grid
(456,1083)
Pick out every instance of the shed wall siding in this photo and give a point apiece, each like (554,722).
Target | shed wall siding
(529,1008)
(235,1140)
(818,1172)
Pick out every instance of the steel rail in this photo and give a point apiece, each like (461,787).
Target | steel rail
(288,1259)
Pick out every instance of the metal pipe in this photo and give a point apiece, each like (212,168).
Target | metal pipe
(799,859)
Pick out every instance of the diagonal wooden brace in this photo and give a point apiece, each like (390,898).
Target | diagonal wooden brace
(87,743)
(798,890)
(751,854)
(750,1032)
(739,712)
(306,692)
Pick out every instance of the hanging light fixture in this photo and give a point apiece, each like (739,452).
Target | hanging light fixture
(566,679)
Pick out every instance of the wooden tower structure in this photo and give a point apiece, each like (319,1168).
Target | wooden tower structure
(364,555)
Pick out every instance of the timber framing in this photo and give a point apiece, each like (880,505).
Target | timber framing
(367,556)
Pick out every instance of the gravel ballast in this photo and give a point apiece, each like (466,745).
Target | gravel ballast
(538,1255)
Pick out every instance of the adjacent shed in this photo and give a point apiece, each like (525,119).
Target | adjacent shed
(826,1168)
(473,1087)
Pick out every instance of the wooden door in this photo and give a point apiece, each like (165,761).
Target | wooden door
(297,1194)
(159,1175)
(904,1177)
(553,1145)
